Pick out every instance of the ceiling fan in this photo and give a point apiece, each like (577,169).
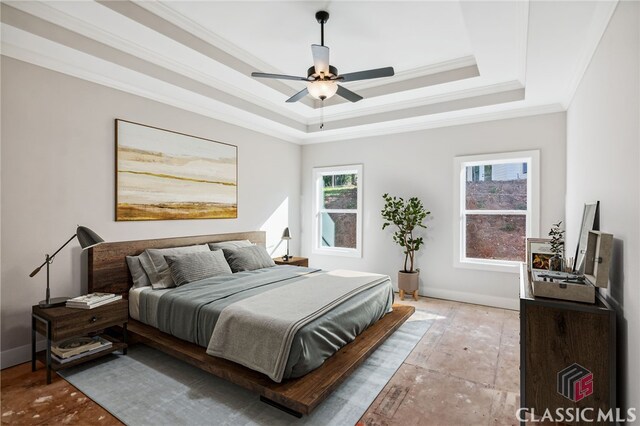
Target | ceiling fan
(322,78)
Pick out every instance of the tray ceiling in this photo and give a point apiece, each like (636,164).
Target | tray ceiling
(455,62)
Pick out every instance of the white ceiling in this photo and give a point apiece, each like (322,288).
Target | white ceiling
(455,62)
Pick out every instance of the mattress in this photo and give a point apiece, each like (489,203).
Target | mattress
(190,312)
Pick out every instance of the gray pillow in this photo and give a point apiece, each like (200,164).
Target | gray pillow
(248,258)
(156,267)
(236,244)
(187,268)
(140,278)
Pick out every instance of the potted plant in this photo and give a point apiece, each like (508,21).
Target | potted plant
(406,216)
(557,247)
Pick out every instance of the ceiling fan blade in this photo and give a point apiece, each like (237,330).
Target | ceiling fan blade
(279,76)
(320,58)
(348,94)
(366,75)
(301,94)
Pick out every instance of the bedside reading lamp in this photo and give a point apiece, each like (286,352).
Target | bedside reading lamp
(286,235)
(87,238)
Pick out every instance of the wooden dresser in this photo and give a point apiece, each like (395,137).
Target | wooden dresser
(555,335)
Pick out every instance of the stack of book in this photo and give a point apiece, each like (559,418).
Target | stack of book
(78,347)
(92,300)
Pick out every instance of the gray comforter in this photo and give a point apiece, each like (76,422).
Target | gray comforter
(191,312)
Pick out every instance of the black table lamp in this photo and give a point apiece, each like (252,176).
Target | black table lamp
(286,235)
(87,238)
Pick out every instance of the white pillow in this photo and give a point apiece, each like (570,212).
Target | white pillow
(156,266)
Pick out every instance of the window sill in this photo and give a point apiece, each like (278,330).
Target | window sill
(497,266)
(338,252)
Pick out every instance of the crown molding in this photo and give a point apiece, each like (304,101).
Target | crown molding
(26,47)
(422,101)
(169,14)
(601,18)
(522,23)
(57,17)
(470,116)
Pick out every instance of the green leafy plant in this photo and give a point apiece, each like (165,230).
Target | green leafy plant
(406,216)
(557,239)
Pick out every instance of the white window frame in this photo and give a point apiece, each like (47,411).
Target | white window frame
(317,182)
(532,158)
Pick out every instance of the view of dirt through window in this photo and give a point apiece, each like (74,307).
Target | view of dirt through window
(499,237)
(340,192)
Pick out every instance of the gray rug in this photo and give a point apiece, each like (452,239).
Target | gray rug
(147,387)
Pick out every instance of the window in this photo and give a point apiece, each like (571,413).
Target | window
(497,208)
(338,210)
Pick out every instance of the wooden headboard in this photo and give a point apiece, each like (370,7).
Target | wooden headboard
(108,270)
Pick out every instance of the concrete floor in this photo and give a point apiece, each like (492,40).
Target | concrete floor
(464,371)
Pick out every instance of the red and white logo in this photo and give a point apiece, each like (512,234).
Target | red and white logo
(575,382)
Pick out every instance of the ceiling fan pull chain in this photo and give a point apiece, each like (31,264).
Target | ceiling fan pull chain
(322,114)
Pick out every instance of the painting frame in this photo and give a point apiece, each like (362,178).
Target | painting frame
(201,172)
(538,253)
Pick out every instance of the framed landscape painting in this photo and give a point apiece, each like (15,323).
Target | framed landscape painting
(164,175)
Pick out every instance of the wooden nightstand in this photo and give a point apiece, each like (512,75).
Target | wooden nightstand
(62,323)
(293,261)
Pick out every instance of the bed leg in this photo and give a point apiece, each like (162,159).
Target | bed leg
(281,407)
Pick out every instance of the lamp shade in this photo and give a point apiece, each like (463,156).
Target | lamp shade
(286,235)
(87,237)
(322,89)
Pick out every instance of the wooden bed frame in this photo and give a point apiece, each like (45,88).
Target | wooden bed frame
(108,272)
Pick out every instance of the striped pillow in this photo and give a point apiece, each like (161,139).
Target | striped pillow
(248,258)
(191,267)
(231,245)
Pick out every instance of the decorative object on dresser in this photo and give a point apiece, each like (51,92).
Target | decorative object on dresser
(573,285)
(92,300)
(87,238)
(557,247)
(590,222)
(292,260)
(557,336)
(61,323)
(406,216)
(163,175)
(539,253)
(286,235)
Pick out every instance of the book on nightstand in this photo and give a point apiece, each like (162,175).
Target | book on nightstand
(92,300)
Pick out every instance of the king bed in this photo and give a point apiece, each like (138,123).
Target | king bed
(290,334)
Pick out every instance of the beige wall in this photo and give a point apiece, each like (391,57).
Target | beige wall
(58,171)
(421,164)
(603,152)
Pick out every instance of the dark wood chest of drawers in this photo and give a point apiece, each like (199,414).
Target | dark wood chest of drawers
(567,354)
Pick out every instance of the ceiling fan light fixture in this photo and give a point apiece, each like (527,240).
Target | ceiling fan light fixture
(322,89)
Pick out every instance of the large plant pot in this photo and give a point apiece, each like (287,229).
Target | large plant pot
(408,282)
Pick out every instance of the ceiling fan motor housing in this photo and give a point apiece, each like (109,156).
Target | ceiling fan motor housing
(311,73)
(322,16)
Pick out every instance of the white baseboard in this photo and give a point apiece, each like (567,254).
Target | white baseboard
(18,355)
(478,299)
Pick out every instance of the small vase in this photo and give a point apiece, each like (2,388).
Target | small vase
(555,263)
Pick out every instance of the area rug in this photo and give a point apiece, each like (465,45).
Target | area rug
(147,387)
